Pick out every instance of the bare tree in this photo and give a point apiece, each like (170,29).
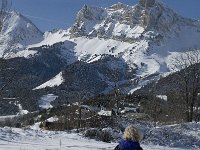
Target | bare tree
(189,76)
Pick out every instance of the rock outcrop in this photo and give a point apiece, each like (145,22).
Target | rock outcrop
(125,23)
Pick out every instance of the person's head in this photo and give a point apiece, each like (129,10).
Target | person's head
(132,133)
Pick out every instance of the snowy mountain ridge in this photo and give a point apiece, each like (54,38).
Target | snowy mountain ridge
(128,23)
(145,36)
(17,33)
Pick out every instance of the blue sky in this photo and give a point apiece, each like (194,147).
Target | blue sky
(54,14)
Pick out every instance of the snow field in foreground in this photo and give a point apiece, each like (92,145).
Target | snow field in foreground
(28,139)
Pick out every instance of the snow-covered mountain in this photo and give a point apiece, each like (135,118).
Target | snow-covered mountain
(146,36)
(153,21)
(17,33)
(120,45)
(124,46)
(149,31)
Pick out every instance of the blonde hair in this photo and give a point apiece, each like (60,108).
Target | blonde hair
(132,133)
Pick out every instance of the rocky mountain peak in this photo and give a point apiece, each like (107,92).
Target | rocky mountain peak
(18,32)
(149,20)
(89,13)
(123,22)
(118,6)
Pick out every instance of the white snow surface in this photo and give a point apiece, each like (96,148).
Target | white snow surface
(50,38)
(45,101)
(23,53)
(163,97)
(105,113)
(21,110)
(56,81)
(29,139)
(129,109)
(52,119)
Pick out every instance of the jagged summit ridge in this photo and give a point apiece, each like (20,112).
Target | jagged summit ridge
(90,13)
(126,23)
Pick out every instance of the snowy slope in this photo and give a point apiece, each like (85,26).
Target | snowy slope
(56,81)
(146,37)
(17,33)
(45,101)
(35,138)
(137,33)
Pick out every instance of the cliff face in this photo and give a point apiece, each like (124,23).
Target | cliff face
(127,23)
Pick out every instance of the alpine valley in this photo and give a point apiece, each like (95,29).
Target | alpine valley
(123,47)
